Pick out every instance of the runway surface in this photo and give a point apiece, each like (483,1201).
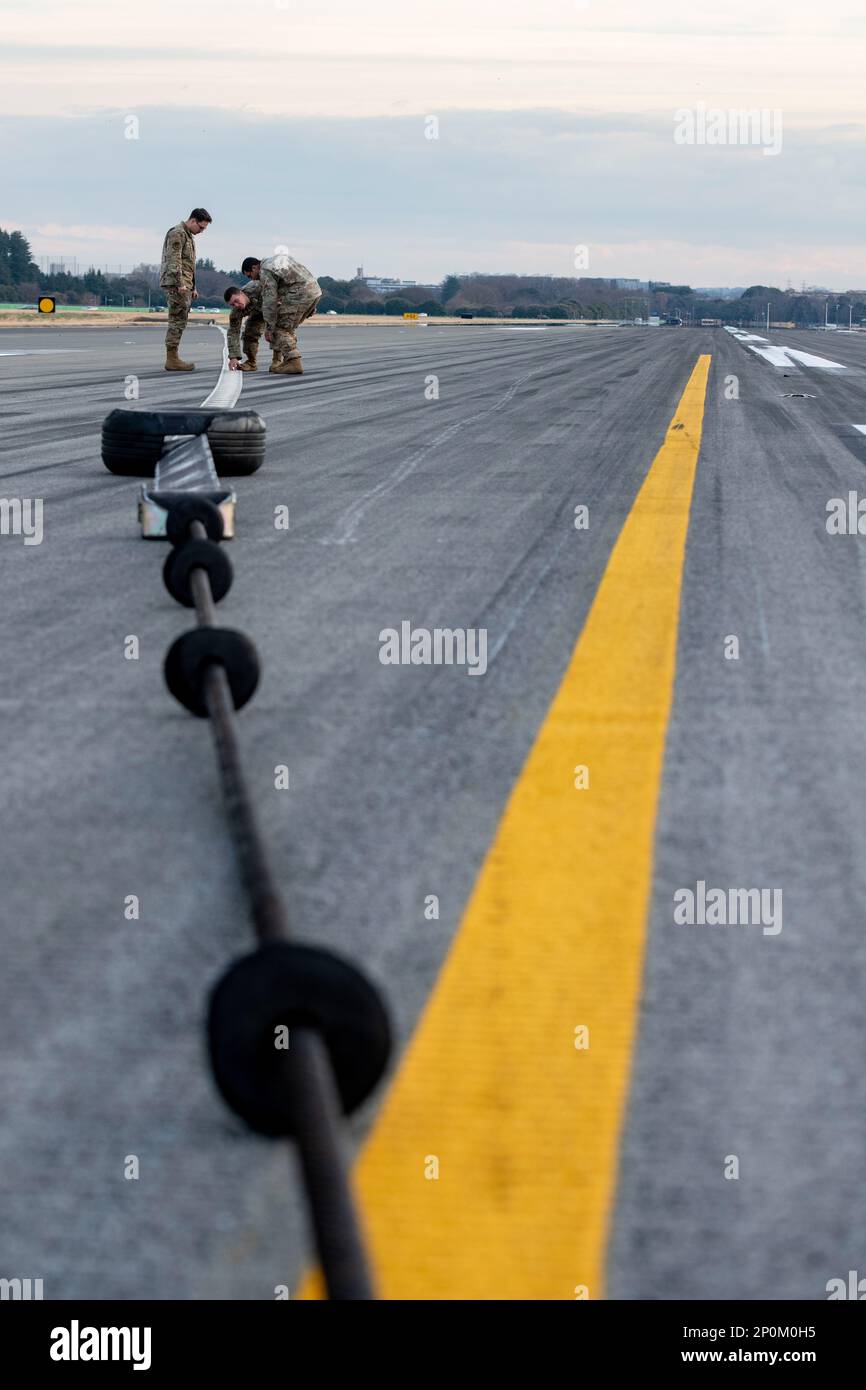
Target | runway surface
(432,476)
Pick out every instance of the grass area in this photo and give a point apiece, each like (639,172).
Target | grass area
(21,316)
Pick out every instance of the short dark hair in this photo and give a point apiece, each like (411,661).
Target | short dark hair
(200,215)
(232,289)
(247,265)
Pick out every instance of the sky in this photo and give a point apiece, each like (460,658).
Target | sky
(568,136)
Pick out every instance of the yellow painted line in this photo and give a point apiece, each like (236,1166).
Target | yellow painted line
(524,1126)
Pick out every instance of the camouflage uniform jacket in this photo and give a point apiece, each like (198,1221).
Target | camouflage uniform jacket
(285,284)
(177,271)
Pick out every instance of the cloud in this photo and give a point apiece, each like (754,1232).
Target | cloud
(334,57)
(496,191)
(89,233)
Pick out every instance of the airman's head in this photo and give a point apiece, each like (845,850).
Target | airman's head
(198,220)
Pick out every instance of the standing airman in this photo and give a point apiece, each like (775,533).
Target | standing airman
(177,278)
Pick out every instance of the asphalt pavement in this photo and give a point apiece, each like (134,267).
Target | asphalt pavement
(431,476)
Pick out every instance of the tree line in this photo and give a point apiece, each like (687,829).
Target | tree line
(484,296)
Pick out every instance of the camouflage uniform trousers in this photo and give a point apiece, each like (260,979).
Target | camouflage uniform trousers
(254,327)
(178,312)
(290,315)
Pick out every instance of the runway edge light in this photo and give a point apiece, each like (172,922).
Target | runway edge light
(47,304)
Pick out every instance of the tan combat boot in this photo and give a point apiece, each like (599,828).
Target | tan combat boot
(276,358)
(173,363)
(291,366)
(251,364)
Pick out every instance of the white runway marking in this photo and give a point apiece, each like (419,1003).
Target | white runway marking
(824,364)
(776,356)
(789,357)
(36,352)
(861,428)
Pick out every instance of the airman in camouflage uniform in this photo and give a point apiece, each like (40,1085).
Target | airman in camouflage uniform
(289,294)
(177,278)
(248,314)
(249,317)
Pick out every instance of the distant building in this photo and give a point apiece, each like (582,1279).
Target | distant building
(68,265)
(631,284)
(384,284)
(58,265)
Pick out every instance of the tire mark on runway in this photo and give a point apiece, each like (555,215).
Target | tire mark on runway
(353,515)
